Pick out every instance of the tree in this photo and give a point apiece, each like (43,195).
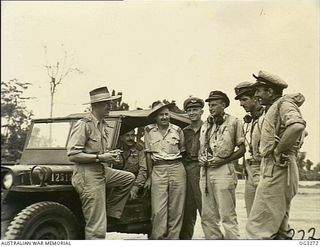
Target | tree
(15,119)
(58,71)
(305,172)
(300,160)
(309,164)
(317,167)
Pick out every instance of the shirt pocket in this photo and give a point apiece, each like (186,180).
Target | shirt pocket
(173,144)
(155,145)
(133,164)
(93,144)
(225,145)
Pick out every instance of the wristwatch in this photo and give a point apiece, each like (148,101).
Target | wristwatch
(97,158)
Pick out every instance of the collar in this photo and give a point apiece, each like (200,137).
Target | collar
(189,127)
(257,113)
(168,129)
(95,120)
(224,116)
(274,101)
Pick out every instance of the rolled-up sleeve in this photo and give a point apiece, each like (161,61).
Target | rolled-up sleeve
(290,114)
(77,139)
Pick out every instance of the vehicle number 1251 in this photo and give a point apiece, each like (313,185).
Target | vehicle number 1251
(61,177)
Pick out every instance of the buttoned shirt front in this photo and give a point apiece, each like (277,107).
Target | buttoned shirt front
(255,138)
(222,138)
(252,132)
(88,135)
(192,143)
(164,147)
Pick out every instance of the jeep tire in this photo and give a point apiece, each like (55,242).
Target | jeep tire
(44,220)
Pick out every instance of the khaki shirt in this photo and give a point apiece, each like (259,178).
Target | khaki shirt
(167,147)
(88,135)
(254,133)
(133,160)
(277,119)
(255,138)
(222,139)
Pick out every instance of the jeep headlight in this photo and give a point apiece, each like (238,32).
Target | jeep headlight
(7,181)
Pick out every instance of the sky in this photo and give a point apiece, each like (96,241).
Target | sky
(163,50)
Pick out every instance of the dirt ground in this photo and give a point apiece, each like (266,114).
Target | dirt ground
(305,214)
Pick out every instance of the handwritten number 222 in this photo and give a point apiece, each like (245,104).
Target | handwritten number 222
(303,233)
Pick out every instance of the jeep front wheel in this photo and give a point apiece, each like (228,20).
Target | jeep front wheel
(44,220)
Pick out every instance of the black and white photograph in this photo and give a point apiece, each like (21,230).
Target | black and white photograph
(160,120)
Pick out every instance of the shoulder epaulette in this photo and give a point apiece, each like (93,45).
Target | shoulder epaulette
(175,127)
(86,119)
(150,127)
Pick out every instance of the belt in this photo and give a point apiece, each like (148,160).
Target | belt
(253,162)
(166,162)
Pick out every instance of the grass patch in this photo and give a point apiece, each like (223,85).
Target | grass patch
(313,186)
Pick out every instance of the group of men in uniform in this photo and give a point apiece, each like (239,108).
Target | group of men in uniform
(192,169)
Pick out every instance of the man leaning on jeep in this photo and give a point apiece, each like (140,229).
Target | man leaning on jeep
(87,148)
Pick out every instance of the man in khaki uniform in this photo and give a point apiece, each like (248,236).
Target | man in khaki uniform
(219,137)
(252,128)
(193,106)
(281,132)
(133,160)
(164,147)
(88,148)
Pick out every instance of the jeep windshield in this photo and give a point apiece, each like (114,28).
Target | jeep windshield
(56,134)
(45,135)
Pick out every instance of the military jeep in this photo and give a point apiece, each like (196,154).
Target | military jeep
(37,198)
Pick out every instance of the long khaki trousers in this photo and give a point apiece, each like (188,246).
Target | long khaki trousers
(251,183)
(219,205)
(90,182)
(168,191)
(269,215)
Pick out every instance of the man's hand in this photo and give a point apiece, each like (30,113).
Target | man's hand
(202,161)
(134,192)
(256,179)
(216,161)
(117,151)
(110,156)
(276,156)
(147,185)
